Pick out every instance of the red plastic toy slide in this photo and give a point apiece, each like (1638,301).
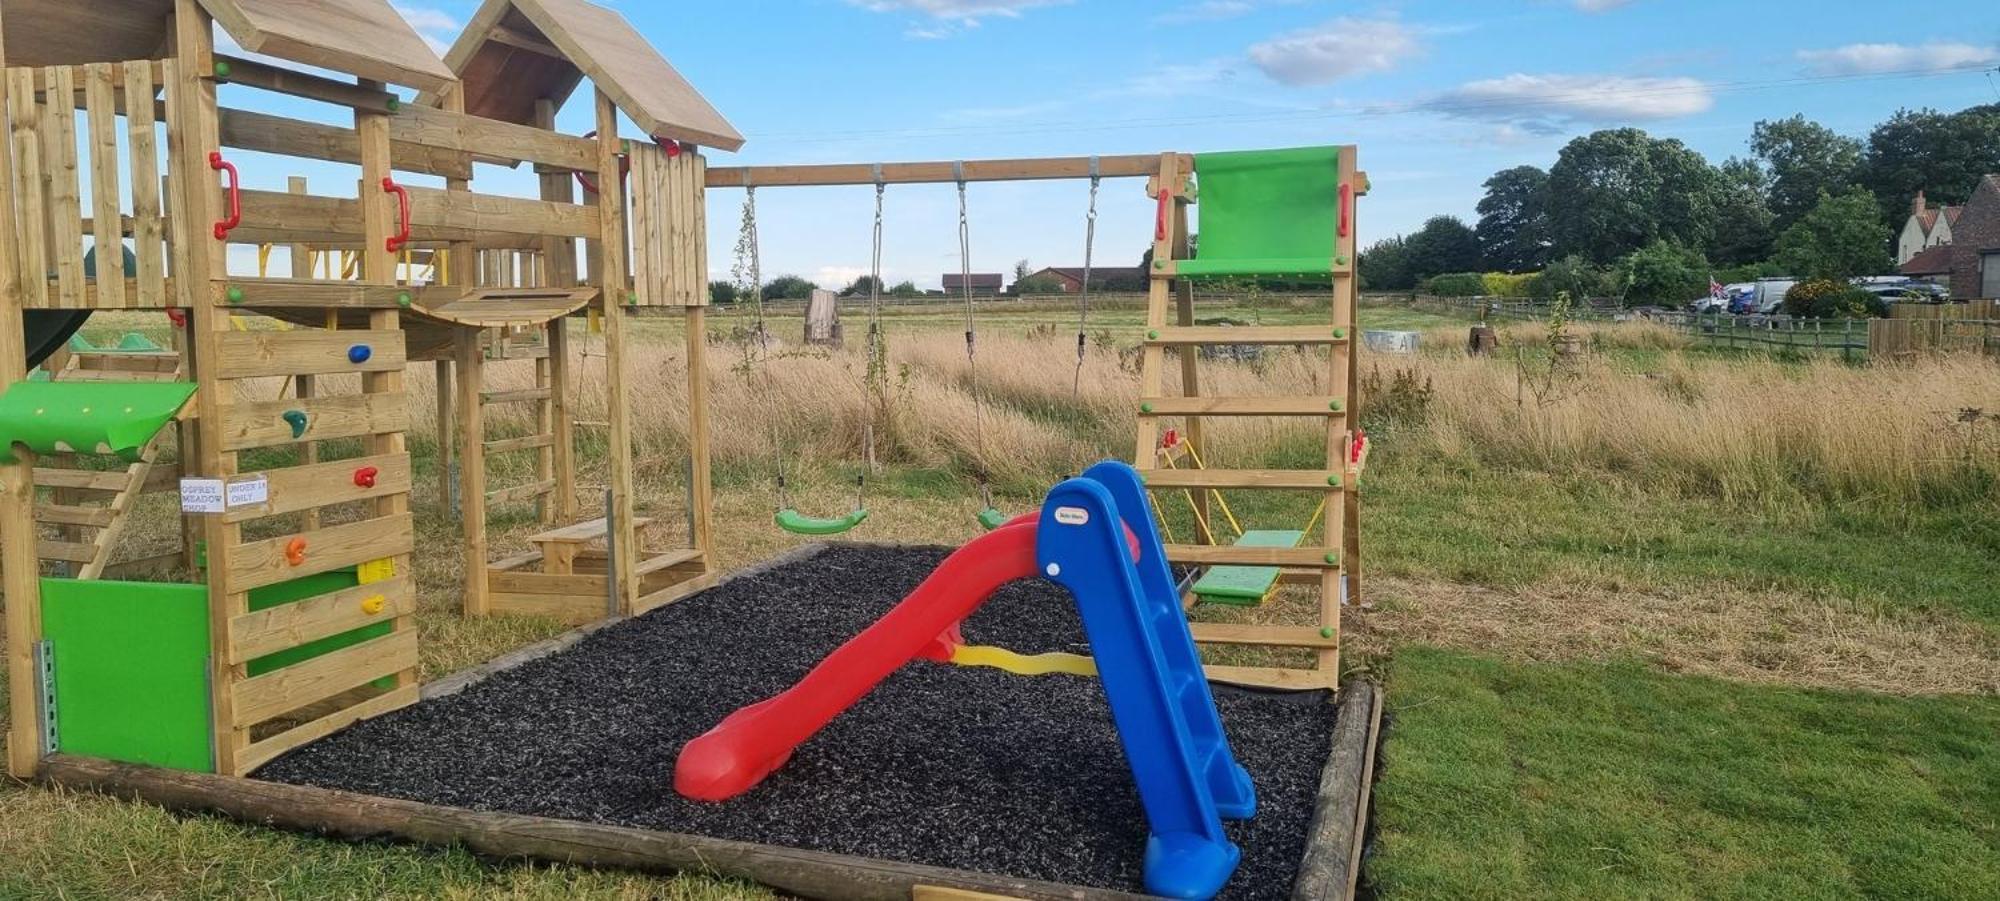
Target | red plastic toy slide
(751,743)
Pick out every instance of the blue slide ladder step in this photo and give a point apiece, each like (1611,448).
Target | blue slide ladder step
(1187,776)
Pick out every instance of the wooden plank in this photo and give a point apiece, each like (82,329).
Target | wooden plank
(588,530)
(100,91)
(520,493)
(1184,335)
(667,560)
(28,188)
(267,750)
(527,582)
(254,424)
(148,228)
(66,551)
(85,479)
(71,515)
(701,487)
(251,73)
(526,442)
(465,211)
(284,136)
(630,72)
(1262,635)
(254,564)
(248,355)
(611,274)
(1210,554)
(518,396)
(1270,677)
(1292,479)
(314,485)
(492,138)
(471,367)
(286,626)
(281,293)
(1239,406)
(567,608)
(350,36)
(1138,165)
(279,692)
(677,591)
(65,206)
(789,871)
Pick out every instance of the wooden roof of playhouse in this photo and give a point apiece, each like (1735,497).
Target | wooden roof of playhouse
(515,52)
(361,37)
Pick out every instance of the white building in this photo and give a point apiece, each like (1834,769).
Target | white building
(1927,227)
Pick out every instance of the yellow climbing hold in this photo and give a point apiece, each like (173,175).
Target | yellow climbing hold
(374,604)
(1024,664)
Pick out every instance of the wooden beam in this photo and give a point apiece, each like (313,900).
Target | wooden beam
(282,691)
(252,73)
(942,172)
(273,629)
(612,273)
(1240,406)
(1297,479)
(492,139)
(267,133)
(451,211)
(254,564)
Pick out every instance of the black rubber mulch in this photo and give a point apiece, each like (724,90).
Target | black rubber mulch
(943,765)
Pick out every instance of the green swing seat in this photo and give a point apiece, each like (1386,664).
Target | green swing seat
(1246,586)
(800,524)
(1267,213)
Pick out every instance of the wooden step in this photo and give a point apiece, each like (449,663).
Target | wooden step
(1174,336)
(68,515)
(1240,406)
(1270,677)
(1303,479)
(1269,636)
(521,492)
(1220,555)
(588,530)
(530,442)
(66,551)
(522,396)
(667,560)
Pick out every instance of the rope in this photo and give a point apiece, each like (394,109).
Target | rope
(1083,297)
(877,373)
(762,355)
(971,332)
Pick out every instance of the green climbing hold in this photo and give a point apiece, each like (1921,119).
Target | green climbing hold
(222,69)
(991,518)
(235,294)
(297,420)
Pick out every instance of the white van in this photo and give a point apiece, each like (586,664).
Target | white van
(1768,294)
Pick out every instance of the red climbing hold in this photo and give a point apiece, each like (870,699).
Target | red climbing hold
(365,477)
(295,551)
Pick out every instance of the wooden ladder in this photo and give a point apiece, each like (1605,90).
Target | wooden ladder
(87,531)
(542,401)
(1333,560)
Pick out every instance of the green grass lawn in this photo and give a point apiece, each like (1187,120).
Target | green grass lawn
(1613,781)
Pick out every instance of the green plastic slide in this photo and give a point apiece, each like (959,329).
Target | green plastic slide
(88,417)
(1246,586)
(1266,213)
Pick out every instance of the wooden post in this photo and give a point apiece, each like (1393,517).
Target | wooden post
(1350,500)
(613,277)
(20,591)
(558,269)
(303,385)
(701,499)
(447,429)
(1145,449)
(191,135)
(472,468)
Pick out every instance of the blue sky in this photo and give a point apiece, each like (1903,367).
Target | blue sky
(1438,95)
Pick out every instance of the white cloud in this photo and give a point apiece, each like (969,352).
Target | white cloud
(437,27)
(834,278)
(1598,6)
(1216,10)
(1338,49)
(1872,59)
(947,18)
(1549,104)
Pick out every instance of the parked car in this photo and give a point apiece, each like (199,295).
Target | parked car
(1767,295)
(1908,292)
(1715,304)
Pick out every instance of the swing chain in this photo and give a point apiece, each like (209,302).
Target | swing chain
(1083,296)
(971,340)
(762,355)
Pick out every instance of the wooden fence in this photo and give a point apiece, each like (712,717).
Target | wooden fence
(1984,310)
(1907,338)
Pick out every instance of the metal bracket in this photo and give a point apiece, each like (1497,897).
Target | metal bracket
(45,695)
(208,680)
(453,490)
(610,554)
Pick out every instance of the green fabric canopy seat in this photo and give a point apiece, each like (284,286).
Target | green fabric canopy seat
(116,418)
(1267,213)
(1246,586)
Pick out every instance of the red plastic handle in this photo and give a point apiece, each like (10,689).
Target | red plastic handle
(402,235)
(222,228)
(624,168)
(1346,208)
(1160,221)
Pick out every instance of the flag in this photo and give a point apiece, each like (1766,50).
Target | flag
(1714,288)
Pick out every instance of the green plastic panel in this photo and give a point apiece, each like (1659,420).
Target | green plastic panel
(89,417)
(800,524)
(301,589)
(131,670)
(1266,212)
(1246,585)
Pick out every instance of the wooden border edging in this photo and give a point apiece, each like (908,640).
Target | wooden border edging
(811,874)
(1332,865)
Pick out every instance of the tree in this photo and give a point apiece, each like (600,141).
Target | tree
(1842,237)
(1806,159)
(1614,191)
(1444,244)
(788,287)
(904,289)
(1742,216)
(1385,265)
(1925,150)
(860,286)
(721,292)
(1663,272)
(1513,225)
